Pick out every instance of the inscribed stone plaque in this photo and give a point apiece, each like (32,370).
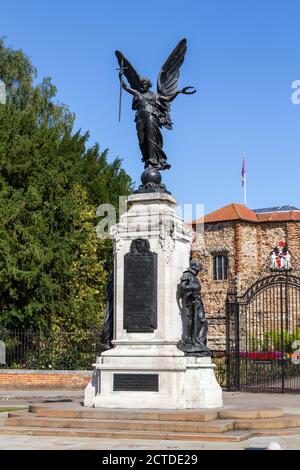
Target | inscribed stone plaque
(140,288)
(135,383)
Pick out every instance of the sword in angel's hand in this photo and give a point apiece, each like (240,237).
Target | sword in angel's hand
(121,68)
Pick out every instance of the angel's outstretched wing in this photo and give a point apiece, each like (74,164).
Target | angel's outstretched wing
(168,76)
(130,73)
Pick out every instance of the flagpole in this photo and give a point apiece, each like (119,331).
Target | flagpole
(244,180)
(245,190)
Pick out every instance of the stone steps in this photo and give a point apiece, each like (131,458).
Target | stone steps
(259,413)
(234,436)
(231,436)
(284,422)
(170,415)
(182,425)
(216,426)
(98,413)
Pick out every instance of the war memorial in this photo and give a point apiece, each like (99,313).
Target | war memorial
(159,357)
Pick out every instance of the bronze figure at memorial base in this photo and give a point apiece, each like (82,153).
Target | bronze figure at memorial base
(194,322)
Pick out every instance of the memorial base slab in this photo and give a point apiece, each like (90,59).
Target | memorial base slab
(160,382)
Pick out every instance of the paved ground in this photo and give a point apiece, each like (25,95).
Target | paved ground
(62,443)
(290,403)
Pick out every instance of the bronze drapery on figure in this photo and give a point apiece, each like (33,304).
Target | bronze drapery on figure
(194,322)
(152,109)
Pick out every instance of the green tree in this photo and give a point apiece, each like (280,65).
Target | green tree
(52,265)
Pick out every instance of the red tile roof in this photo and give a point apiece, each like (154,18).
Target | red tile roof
(240,212)
(230,212)
(279,216)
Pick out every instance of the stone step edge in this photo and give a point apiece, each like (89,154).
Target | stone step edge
(158,415)
(287,422)
(24,414)
(106,413)
(234,436)
(114,434)
(259,413)
(154,417)
(217,426)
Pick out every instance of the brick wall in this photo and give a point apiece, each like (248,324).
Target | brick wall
(218,238)
(39,379)
(248,246)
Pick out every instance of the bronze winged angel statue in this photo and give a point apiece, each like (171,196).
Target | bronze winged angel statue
(152,109)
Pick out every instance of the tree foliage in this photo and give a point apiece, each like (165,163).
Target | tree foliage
(53,268)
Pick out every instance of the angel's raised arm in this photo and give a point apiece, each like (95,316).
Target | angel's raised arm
(187,90)
(130,73)
(170,98)
(125,87)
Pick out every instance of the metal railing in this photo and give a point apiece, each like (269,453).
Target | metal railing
(26,349)
(263,330)
(23,349)
(220,361)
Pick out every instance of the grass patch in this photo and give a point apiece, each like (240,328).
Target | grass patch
(4,409)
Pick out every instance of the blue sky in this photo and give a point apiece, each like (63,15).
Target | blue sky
(242,58)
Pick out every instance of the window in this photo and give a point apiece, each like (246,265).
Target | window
(220,267)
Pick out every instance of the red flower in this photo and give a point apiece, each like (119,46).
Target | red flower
(263,355)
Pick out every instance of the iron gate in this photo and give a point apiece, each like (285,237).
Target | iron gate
(263,336)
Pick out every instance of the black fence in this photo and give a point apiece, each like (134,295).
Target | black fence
(21,349)
(217,344)
(220,360)
(61,350)
(263,336)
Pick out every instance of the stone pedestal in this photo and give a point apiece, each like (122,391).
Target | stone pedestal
(145,369)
